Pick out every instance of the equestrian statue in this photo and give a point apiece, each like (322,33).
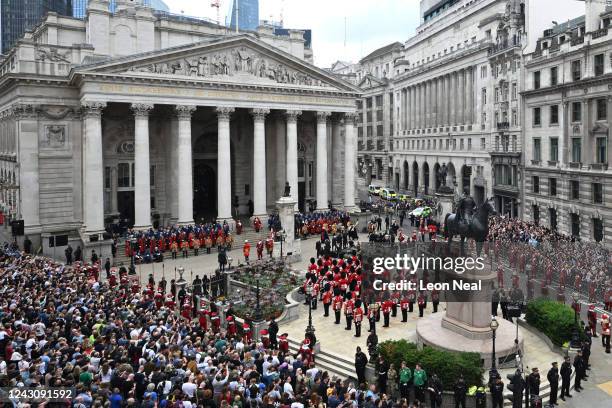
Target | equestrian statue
(469,221)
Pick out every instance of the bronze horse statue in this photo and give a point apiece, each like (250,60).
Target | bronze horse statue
(478,228)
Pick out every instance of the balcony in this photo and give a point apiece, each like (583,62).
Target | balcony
(502,47)
(598,33)
(575,165)
(577,40)
(370,145)
(361,146)
(380,145)
(503,125)
(599,166)
(536,162)
(552,163)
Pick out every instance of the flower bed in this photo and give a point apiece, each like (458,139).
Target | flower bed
(276,280)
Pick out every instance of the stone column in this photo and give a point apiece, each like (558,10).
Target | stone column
(281,149)
(414,107)
(470,73)
(446,100)
(349,161)
(292,155)
(185,165)
(338,146)
(322,198)
(427,104)
(453,98)
(93,175)
(259,162)
(27,169)
(142,177)
(437,102)
(224,164)
(609,148)
(420,107)
(461,98)
(113,193)
(587,155)
(409,108)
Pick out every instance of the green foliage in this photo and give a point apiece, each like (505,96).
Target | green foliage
(554,319)
(447,365)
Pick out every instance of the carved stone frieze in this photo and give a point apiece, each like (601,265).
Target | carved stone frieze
(229,63)
(52,55)
(54,136)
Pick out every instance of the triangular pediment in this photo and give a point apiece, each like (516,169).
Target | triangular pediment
(236,59)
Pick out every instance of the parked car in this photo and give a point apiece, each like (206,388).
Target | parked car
(388,194)
(374,190)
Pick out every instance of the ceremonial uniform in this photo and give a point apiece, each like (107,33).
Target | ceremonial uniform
(327,300)
(605,332)
(435,300)
(174,249)
(215,322)
(592,318)
(203,319)
(337,305)
(404,309)
(358,316)
(421,302)
(246,251)
(170,303)
(260,248)
(283,344)
(231,326)
(386,309)
(349,305)
(246,331)
(196,246)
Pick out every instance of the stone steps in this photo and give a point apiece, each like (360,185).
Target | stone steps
(330,362)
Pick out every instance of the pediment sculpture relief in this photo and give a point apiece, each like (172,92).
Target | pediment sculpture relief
(230,63)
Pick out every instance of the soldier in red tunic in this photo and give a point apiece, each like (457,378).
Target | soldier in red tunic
(246,332)
(170,303)
(257,224)
(404,308)
(231,326)
(386,310)
(500,275)
(260,248)
(215,322)
(435,299)
(608,299)
(592,318)
(349,307)
(283,343)
(306,352)
(264,336)
(411,300)
(202,319)
(337,305)
(270,246)
(358,316)
(159,299)
(421,303)
(605,332)
(186,310)
(561,294)
(112,281)
(515,280)
(327,300)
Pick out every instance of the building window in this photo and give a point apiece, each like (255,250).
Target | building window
(552,187)
(554,76)
(602,109)
(469,144)
(107,177)
(369,103)
(514,91)
(597,189)
(152,176)
(554,115)
(576,70)
(483,143)
(601,150)
(483,71)
(537,149)
(496,94)
(552,215)
(484,96)
(536,80)
(537,116)
(514,117)
(536,184)
(574,190)
(576,150)
(599,64)
(123,175)
(536,214)
(554,149)
(597,229)
(576,111)
(575,219)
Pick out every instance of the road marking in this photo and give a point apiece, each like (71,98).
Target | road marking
(607,387)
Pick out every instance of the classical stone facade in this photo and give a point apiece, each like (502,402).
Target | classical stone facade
(567,110)
(129,116)
(448,95)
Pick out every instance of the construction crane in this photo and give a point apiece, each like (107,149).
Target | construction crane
(217,4)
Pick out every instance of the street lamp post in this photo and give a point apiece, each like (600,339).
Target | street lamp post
(575,341)
(282,235)
(493,372)
(257,313)
(310,328)
(133,246)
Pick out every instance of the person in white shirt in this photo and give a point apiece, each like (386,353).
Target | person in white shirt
(288,388)
(189,388)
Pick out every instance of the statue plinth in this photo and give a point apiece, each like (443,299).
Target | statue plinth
(446,201)
(291,247)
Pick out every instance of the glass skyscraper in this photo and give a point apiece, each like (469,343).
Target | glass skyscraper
(248,14)
(79,8)
(17,16)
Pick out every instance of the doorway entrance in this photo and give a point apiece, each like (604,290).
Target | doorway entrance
(204,191)
(125,205)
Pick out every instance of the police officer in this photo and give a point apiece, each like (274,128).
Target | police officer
(460,391)
(566,373)
(497,392)
(580,367)
(553,379)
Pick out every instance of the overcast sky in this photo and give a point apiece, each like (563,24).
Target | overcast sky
(370,24)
